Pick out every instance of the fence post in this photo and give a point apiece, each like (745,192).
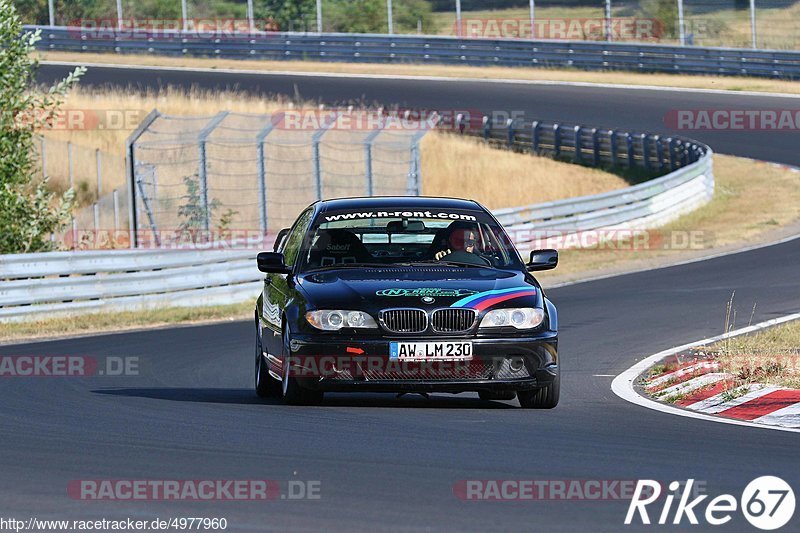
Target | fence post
(608,21)
(202,165)
(69,165)
(130,170)
(368,159)
(262,169)
(510,133)
(557,139)
(487,128)
(115,196)
(612,141)
(44,157)
(460,123)
(535,136)
(578,143)
(681,24)
(96,213)
(753,33)
(98,159)
(629,143)
(595,147)
(413,187)
(315,140)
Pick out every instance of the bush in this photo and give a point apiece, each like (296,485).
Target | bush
(29,213)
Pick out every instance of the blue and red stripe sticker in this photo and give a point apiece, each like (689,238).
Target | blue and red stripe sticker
(485,299)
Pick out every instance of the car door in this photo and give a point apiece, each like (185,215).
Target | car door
(276,286)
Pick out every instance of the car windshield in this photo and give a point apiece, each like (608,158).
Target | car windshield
(396,238)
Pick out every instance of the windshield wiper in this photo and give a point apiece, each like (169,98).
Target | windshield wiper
(347,265)
(449,263)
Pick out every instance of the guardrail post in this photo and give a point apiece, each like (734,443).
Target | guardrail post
(202,166)
(595,147)
(673,146)
(535,136)
(557,139)
(578,143)
(130,170)
(612,142)
(460,123)
(646,150)
(487,128)
(660,152)
(510,138)
(629,144)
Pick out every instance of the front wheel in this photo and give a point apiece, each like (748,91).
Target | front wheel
(266,385)
(544,398)
(293,392)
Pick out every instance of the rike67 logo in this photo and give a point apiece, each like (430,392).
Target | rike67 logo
(767,503)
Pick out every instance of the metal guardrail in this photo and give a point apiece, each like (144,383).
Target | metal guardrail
(376,48)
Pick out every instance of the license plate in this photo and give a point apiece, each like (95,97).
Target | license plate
(430,351)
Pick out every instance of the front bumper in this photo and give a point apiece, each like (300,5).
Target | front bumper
(363,364)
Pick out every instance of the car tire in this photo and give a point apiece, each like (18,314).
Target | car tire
(266,386)
(543,398)
(292,391)
(497,396)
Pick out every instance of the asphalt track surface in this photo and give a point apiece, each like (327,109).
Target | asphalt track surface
(392,463)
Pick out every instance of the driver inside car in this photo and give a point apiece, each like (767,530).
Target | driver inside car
(459,240)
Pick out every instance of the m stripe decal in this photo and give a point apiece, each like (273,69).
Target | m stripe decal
(484,299)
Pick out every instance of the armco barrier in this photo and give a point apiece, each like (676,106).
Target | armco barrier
(375,48)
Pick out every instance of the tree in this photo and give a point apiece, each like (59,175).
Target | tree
(29,213)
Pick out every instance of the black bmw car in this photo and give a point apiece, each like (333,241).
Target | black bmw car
(404,295)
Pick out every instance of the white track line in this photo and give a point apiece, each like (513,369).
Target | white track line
(307,74)
(623,385)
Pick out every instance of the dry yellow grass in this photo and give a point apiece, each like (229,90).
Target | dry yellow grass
(468,168)
(452,166)
(541,74)
(771,356)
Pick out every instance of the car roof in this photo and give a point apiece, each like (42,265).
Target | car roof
(409,202)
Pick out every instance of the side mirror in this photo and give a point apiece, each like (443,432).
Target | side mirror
(272,262)
(543,260)
(279,239)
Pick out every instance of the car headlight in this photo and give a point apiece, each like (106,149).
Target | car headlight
(518,317)
(333,320)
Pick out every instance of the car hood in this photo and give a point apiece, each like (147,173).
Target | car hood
(372,289)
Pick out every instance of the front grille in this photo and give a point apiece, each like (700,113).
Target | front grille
(453,320)
(404,320)
(433,370)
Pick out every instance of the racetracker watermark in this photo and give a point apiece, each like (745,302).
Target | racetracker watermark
(572,29)
(165,29)
(193,489)
(620,239)
(61,366)
(82,119)
(733,119)
(548,489)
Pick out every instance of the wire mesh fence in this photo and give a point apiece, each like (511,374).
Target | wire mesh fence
(246,171)
(765,24)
